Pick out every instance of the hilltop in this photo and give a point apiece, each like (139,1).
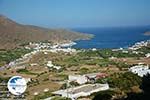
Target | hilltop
(13,34)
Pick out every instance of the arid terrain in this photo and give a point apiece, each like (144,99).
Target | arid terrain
(43,80)
(13,34)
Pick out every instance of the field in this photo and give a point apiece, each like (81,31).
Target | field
(113,63)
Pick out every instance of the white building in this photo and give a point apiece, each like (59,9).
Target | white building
(67,50)
(78,78)
(111,58)
(125,51)
(82,79)
(81,91)
(50,65)
(147,55)
(139,45)
(68,44)
(33,64)
(140,70)
(57,67)
(94,49)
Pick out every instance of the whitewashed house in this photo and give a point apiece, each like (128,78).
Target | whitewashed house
(94,49)
(57,67)
(78,78)
(50,65)
(82,79)
(140,70)
(147,55)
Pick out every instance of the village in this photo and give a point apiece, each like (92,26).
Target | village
(41,67)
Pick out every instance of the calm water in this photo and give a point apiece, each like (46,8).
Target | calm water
(112,37)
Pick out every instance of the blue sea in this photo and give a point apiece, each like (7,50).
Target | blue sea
(114,37)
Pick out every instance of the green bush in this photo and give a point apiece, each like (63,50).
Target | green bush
(124,80)
(10,55)
(103,95)
(84,70)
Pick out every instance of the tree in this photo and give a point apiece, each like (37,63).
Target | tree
(145,86)
(103,95)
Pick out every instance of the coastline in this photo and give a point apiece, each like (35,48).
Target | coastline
(134,46)
(111,38)
(147,33)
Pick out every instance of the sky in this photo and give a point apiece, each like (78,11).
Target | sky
(77,13)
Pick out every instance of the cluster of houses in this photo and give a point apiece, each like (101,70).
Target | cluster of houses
(66,50)
(48,47)
(140,70)
(135,47)
(139,45)
(42,45)
(126,50)
(83,89)
(38,46)
(50,65)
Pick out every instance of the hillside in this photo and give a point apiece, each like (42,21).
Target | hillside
(13,34)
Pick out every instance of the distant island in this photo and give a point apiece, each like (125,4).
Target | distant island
(147,33)
(13,34)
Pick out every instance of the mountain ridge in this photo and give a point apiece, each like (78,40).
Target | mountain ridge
(13,34)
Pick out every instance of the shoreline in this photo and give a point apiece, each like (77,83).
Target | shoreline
(134,45)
